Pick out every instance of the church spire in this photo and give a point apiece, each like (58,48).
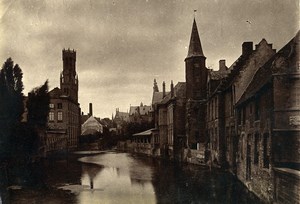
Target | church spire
(195,48)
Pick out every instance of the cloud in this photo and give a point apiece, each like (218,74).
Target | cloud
(122,45)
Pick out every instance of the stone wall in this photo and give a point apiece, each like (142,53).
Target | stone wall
(287,186)
(55,142)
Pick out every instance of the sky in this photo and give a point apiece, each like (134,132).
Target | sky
(122,45)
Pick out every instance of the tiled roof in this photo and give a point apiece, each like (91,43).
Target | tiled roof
(157,97)
(144,133)
(179,88)
(55,93)
(166,98)
(195,48)
(142,110)
(233,70)
(145,110)
(91,126)
(133,110)
(122,115)
(218,75)
(264,73)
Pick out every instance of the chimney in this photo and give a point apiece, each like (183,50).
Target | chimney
(82,113)
(222,65)
(155,87)
(91,109)
(172,88)
(247,48)
(164,89)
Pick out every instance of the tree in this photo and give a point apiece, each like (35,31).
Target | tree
(27,137)
(11,92)
(11,104)
(38,106)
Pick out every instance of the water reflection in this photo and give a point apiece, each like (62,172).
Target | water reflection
(120,178)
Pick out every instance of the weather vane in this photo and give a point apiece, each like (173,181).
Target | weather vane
(195,13)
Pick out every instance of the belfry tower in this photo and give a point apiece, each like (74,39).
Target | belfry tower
(196,93)
(68,77)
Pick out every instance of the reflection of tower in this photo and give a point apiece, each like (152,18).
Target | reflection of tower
(92,183)
(91,170)
(68,77)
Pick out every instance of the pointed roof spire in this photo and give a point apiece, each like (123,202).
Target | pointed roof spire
(195,48)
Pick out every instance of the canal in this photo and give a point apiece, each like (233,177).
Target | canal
(111,177)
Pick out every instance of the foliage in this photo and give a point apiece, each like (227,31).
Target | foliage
(19,140)
(38,106)
(11,104)
(11,96)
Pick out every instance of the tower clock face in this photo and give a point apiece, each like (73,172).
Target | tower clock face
(196,65)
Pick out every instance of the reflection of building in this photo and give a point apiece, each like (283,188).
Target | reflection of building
(64,114)
(245,117)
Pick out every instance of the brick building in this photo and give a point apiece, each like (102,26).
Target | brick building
(253,120)
(196,75)
(179,115)
(269,128)
(170,121)
(64,115)
(214,111)
(223,94)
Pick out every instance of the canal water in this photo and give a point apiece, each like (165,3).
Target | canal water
(111,177)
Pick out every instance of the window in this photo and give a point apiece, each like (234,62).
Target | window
(239,117)
(256,149)
(266,150)
(51,105)
(51,116)
(216,108)
(257,110)
(241,141)
(213,108)
(231,104)
(59,106)
(244,115)
(59,116)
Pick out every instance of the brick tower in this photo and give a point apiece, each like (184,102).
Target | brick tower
(68,77)
(196,93)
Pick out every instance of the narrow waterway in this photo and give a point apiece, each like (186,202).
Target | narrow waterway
(111,177)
